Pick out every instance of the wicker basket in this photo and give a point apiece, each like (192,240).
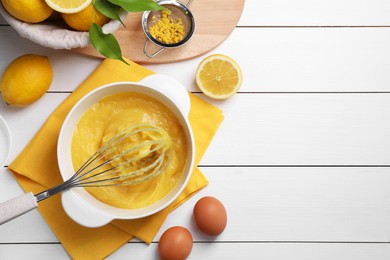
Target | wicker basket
(54,34)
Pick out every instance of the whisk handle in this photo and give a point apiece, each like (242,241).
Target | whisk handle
(16,207)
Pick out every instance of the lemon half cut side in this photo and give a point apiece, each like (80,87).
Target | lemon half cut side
(218,76)
(68,6)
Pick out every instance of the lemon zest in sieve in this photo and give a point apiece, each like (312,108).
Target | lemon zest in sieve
(166,29)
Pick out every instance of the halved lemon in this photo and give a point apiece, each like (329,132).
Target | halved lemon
(218,76)
(68,6)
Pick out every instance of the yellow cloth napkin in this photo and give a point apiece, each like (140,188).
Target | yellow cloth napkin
(36,170)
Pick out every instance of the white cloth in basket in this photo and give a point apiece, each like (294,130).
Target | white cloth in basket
(54,36)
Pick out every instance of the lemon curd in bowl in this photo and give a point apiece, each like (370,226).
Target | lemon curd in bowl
(111,115)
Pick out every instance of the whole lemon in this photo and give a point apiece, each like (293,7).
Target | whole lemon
(26,79)
(30,11)
(83,20)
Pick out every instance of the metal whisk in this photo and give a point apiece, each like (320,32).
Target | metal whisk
(136,154)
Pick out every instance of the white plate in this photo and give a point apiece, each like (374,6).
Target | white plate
(5,141)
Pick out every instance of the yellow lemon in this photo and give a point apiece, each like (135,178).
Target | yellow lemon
(26,79)
(30,11)
(83,20)
(218,76)
(68,6)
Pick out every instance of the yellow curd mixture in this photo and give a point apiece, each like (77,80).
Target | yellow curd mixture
(110,116)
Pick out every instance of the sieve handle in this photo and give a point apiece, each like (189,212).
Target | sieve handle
(151,55)
(189,2)
(16,207)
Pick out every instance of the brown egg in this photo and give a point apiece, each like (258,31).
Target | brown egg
(210,216)
(175,244)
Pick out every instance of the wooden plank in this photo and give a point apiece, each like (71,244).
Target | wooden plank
(296,204)
(287,60)
(76,67)
(27,228)
(265,204)
(303,129)
(315,13)
(269,129)
(218,251)
(33,117)
(301,59)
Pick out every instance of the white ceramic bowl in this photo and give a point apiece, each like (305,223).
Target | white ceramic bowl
(77,202)
(53,35)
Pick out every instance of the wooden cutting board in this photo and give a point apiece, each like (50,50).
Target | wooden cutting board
(214,19)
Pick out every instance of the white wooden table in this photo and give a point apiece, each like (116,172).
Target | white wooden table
(301,160)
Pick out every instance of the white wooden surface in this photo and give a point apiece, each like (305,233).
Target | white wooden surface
(302,158)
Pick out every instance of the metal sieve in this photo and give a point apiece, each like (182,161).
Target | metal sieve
(178,11)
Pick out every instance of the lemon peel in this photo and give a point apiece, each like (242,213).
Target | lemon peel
(30,11)
(83,20)
(26,79)
(68,6)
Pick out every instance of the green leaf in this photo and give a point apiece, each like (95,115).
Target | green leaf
(106,44)
(137,5)
(108,9)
